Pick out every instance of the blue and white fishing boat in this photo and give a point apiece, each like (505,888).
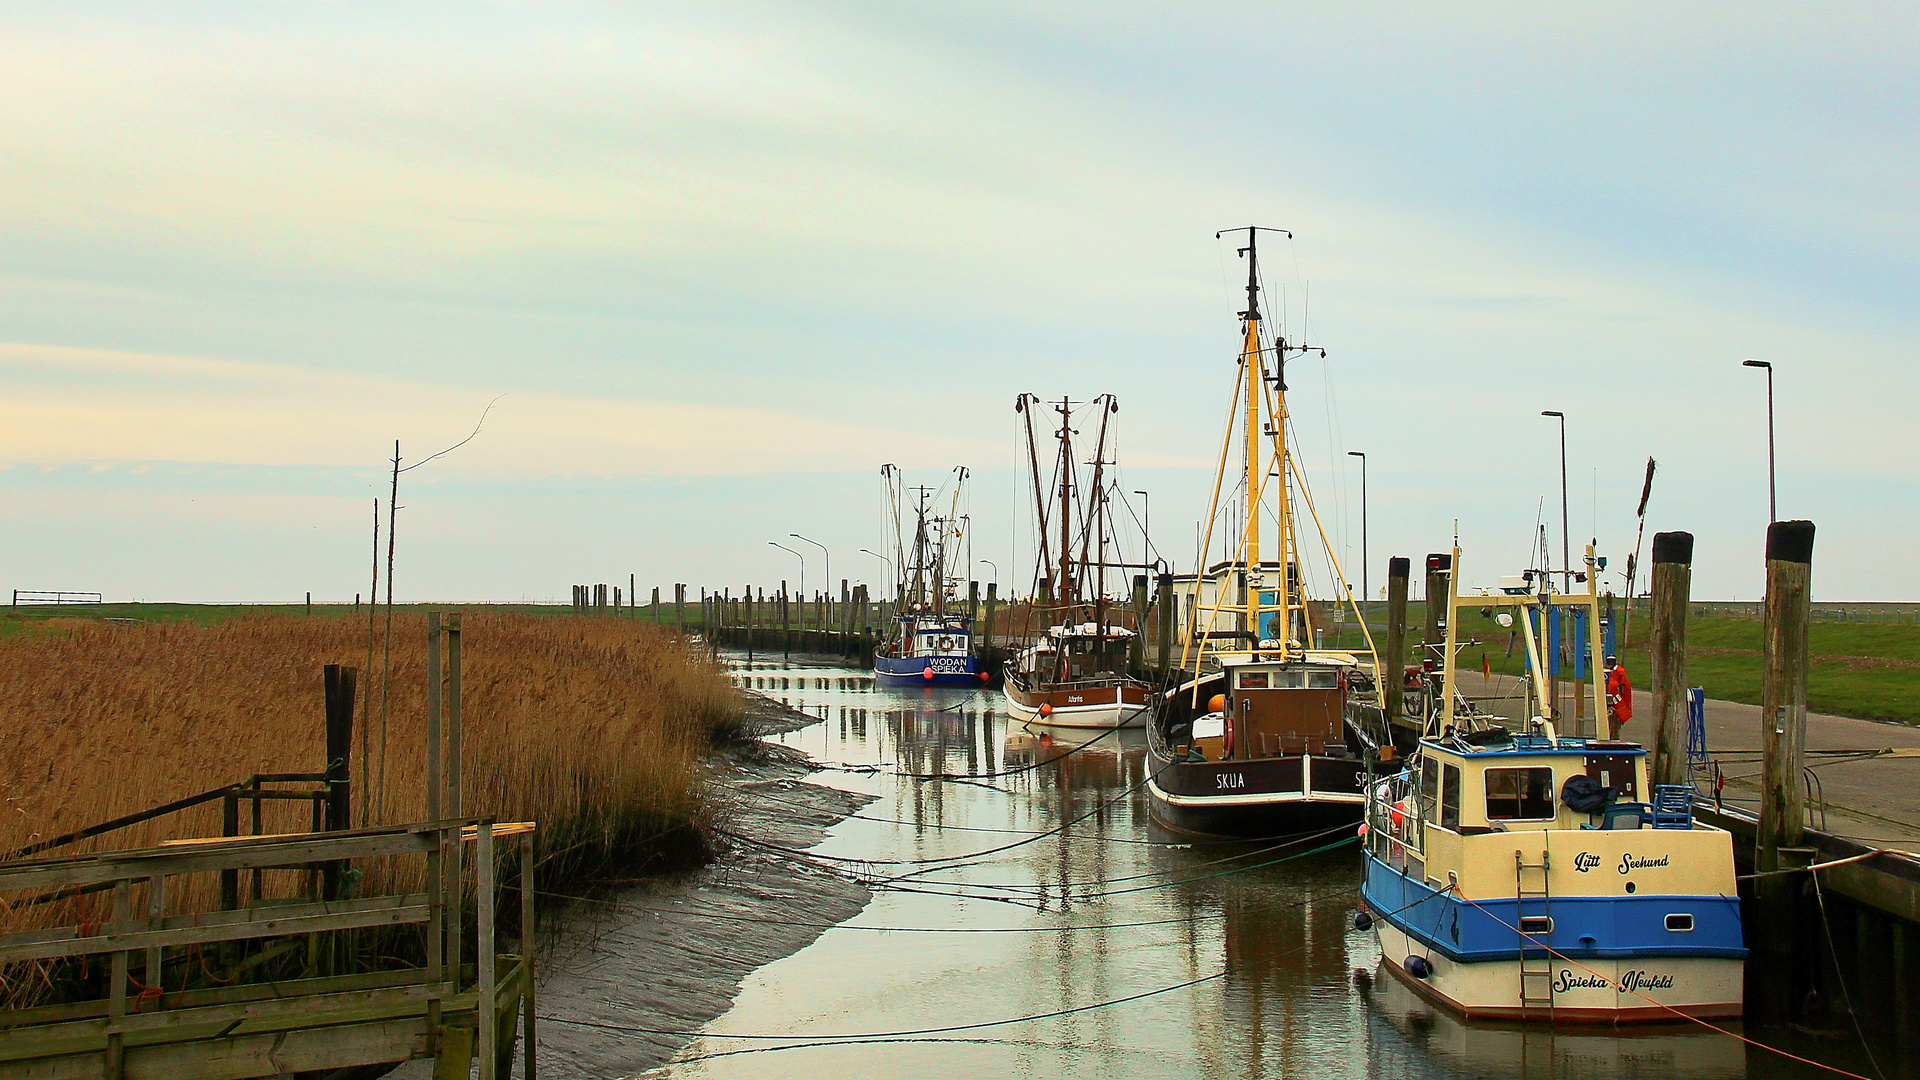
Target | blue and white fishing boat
(932,643)
(1525,875)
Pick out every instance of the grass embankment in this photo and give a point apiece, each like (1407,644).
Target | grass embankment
(1869,670)
(597,728)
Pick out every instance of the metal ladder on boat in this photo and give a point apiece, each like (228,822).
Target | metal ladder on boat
(1536,964)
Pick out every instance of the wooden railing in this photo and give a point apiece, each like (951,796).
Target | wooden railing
(318,1022)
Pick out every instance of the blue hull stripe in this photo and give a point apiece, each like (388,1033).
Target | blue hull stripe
(1600,927)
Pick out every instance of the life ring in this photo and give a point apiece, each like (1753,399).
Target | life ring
(944,644)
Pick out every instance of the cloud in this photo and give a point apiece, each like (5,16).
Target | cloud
(70,405)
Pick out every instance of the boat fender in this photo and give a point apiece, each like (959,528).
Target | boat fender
(984,677)
(1418,967)
(1584,795)
(1046,708)
(1362,921)
(927,673)
(1226,736)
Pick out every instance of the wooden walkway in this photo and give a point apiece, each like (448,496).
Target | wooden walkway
(442,1010)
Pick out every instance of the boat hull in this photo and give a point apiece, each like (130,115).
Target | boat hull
(1585,992)
(912,670)
(1276,796)
(1122,706)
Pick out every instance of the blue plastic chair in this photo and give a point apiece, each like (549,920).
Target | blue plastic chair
(1672,806)
(1625,815)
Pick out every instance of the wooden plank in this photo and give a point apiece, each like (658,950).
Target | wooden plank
(234,853)
(150,1027)
(219,995)
(296,919)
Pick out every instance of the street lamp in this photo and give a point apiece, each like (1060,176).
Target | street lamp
(1366,593)
(996,569)
(829,588)
(803,563)
(1146,517)
(1773,510)
(1566,544)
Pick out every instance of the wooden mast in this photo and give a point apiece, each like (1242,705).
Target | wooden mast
(1252,371)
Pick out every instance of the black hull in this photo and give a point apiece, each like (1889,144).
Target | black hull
(1264,797)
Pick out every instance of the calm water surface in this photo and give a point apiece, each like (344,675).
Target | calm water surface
(1280,982)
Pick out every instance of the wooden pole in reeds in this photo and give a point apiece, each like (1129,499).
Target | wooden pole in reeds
(1168,611)
(366,712)
(386,661)
(339,684)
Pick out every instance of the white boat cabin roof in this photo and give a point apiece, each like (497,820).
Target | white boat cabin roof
(1089,630)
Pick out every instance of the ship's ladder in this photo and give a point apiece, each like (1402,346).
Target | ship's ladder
(1533,915)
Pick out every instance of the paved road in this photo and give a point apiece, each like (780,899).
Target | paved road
(1870,800)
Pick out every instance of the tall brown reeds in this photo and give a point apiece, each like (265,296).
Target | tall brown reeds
(594,727)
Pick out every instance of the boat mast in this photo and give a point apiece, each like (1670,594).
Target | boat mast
(1253,374)
(1067,592)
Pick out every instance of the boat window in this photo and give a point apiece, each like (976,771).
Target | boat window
(1429,785)
(1680,924)
(1289,680)
(1253,680)
(1450,797)
(1323,680)
(1519,794)
(1537,924)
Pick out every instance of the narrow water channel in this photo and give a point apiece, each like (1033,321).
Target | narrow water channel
(1047,893)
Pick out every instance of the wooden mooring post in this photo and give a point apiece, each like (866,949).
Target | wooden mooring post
(1167,605)
(1394,677)
(1137,648)
(1780,909)
(1667,651)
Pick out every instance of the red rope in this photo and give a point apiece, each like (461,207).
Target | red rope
(1551,951)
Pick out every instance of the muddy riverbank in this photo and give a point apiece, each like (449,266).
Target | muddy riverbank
(632,967)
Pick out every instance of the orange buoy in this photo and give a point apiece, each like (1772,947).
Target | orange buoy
(1046,708)
(927,674)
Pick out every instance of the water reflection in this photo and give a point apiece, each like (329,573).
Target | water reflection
(1038,848)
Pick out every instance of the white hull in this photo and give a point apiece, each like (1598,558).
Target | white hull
(1700,986)
(1109,714)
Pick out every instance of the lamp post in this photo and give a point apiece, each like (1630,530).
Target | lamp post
(803,564)
(996,569)
(1773,509)
(1366,593)
(1566,545)
(1146,518)
(829,555)
(889,562)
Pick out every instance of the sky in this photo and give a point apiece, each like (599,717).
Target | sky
(705,268)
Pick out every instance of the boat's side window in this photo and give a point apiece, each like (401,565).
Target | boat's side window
(1289,680)
(1253,680)
(1323,680)
(1429,785)
(1450,797)
(1519,794)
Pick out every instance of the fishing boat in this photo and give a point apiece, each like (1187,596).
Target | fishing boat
(932,640)
(1072,661)
(1265,734)
(1516,873)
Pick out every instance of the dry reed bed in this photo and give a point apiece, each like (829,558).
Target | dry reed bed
(594,727)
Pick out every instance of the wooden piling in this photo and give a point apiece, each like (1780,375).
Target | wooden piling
(680,607)
(1393,674)
(1783,694)
(339,683)
(1667,650)
(1436,631)
(1779,940)
(1169,605)
(1137,648)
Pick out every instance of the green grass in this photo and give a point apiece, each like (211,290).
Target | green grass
(1833,686)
